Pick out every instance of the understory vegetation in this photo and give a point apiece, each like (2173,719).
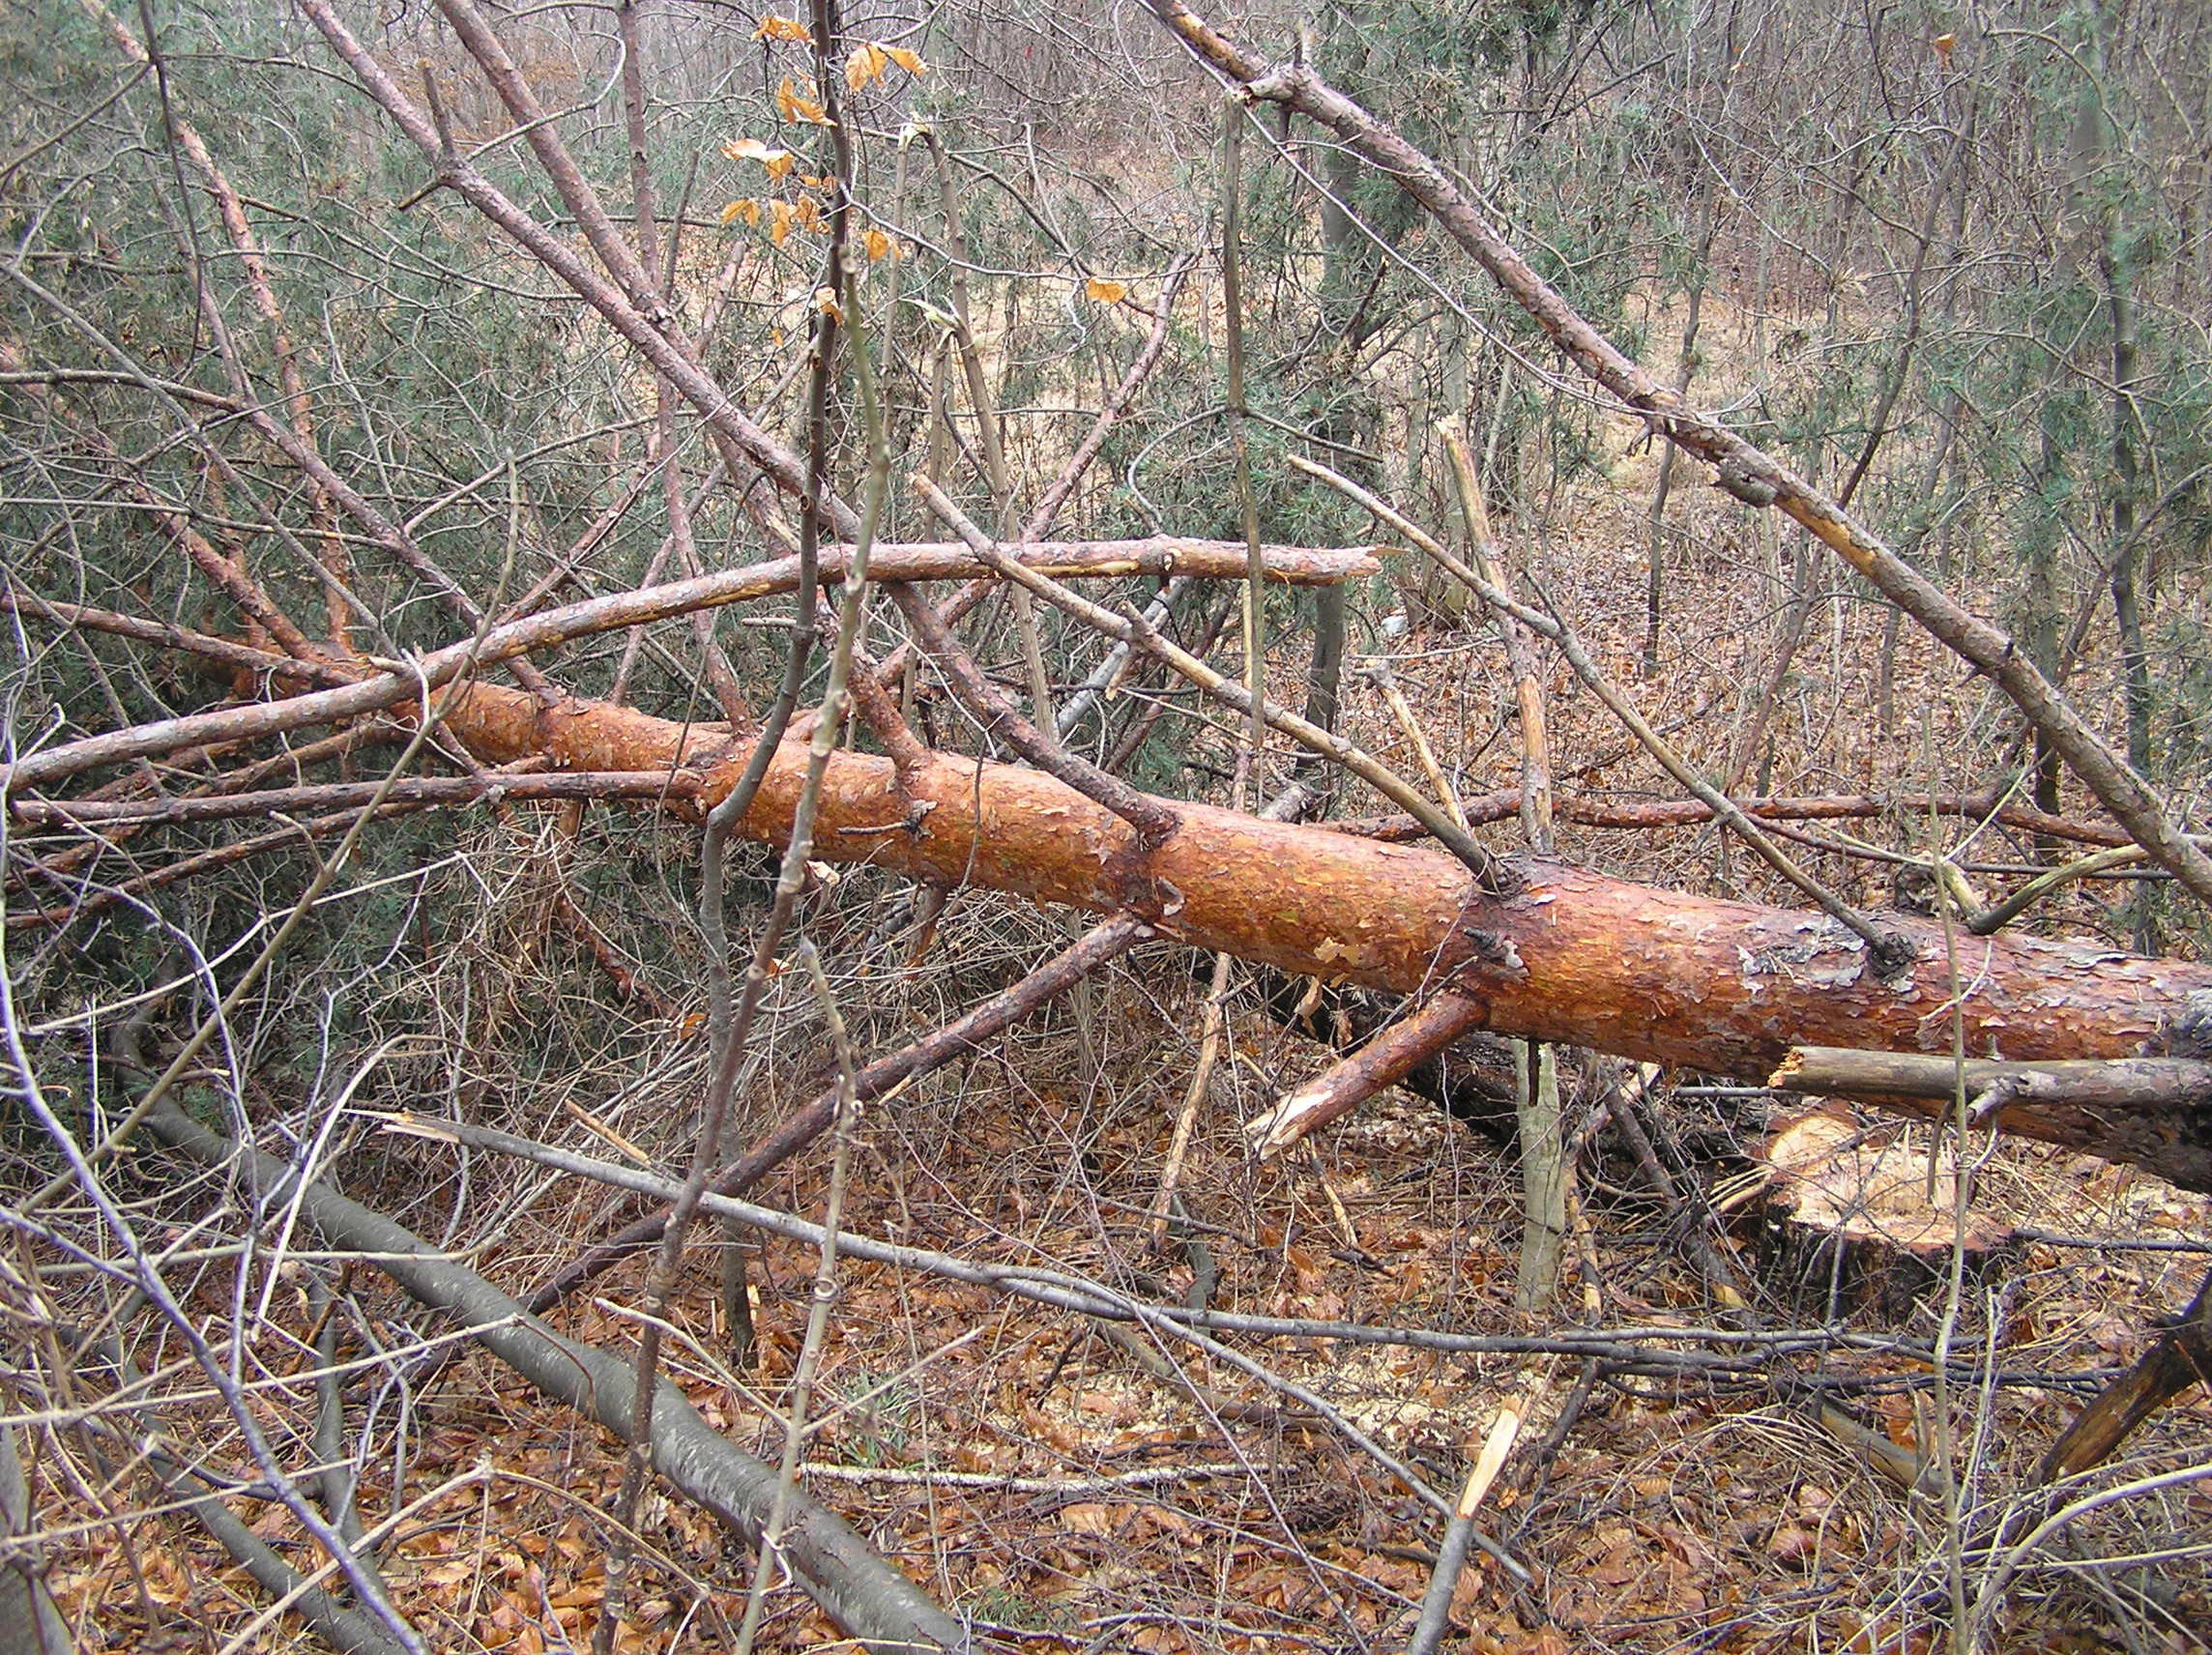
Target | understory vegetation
(1751,455)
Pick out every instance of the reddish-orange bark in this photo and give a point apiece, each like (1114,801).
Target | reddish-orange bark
(1571,956)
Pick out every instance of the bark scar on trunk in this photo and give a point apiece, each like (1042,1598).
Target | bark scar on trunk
(1474,953)
(1830,956)
(1139,887)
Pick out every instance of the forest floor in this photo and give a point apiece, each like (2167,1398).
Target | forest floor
(1068,1490)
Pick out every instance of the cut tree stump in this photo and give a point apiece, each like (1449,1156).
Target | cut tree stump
(1863,1219)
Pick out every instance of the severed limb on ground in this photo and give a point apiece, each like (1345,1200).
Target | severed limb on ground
(879,1606)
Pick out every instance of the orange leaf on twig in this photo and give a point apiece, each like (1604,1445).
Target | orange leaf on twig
(793,104)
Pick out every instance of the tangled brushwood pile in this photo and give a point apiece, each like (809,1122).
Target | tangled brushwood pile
(1689,1468)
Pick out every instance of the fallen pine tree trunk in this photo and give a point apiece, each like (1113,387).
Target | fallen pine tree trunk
(1561,954)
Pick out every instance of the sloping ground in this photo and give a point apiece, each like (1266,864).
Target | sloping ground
(1044,1481)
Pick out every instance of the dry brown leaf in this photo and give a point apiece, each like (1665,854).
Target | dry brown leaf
(1087,1516)
(1793,1543)
(800,105)
(865,63)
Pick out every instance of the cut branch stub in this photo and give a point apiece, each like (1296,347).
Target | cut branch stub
(1351,1082)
